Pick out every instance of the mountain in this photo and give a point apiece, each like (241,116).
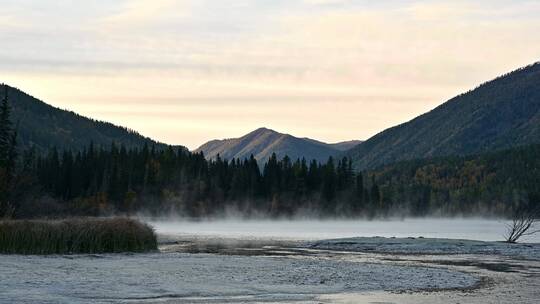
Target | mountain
(262,142)
(43,126)
(499,114)
(346,145)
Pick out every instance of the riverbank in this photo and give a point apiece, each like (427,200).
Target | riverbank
(216,269)
(75,236)
(429,246)
(273,271)
(501,272)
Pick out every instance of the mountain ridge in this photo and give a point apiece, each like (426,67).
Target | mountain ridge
(498,114)
(42,126)
(262,142)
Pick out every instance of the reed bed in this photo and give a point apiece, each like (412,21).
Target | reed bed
(73,236)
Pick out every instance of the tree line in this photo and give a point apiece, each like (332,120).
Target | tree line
(496,183)
(8,158)
(99,180)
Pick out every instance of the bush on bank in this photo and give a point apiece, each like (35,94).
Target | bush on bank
(72,236)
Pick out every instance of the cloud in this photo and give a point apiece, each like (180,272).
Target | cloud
(137,13)
(369,64)
(326,2)
(437,11)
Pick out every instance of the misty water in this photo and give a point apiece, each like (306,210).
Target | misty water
(469,229)
(182,277)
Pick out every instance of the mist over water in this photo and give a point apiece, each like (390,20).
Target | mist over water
(471,229)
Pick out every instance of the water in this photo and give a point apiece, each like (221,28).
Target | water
(471,229)
(203,278)
(176,277)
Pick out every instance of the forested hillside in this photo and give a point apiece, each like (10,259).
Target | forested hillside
(42,126)
(492,183)
(499,114)
(175,181)
(111,170)
(100,182)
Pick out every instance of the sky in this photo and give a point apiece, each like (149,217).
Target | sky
(188,71)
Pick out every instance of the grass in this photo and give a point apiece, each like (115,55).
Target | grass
(72,236)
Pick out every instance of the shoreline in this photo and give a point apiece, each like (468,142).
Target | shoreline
(497,275)
(197,269)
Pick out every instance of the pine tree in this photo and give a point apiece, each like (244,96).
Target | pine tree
(360,193)
(375,196)
(8,155)
(6,136)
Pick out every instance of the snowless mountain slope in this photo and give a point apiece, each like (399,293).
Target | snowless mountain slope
(262,142)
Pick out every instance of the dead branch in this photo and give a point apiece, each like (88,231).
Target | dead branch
(523,222)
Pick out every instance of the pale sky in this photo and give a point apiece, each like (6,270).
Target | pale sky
(184,72)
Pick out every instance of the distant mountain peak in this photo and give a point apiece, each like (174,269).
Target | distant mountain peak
(262,142)
(264,130)
(260,132)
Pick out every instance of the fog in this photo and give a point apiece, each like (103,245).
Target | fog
(472,229)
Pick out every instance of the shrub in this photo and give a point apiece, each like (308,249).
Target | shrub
(71,236)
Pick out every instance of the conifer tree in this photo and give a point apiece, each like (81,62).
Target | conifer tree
(8,154)
(5,130)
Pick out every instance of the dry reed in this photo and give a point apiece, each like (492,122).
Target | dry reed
(72,236)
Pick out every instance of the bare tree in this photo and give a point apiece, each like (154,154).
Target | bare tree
(523,224)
